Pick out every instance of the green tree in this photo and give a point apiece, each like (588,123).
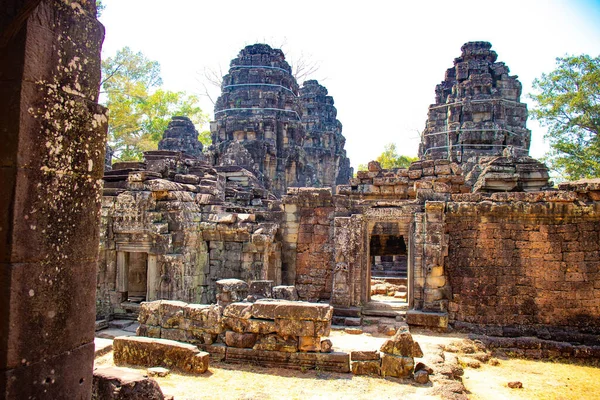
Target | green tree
(568,104)
(204,138)
(391,159)
(139,109)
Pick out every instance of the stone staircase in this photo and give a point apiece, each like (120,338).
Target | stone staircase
(385,308)
(385,270)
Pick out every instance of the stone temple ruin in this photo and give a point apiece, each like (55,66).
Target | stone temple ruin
(472,234)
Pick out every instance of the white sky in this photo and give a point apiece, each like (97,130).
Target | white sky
(380,60)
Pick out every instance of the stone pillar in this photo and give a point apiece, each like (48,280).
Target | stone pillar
(153,278)
(51,164)
(122,271)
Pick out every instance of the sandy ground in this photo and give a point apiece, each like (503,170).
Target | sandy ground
(541,380)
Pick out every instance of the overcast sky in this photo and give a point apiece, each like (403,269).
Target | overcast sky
(380,60)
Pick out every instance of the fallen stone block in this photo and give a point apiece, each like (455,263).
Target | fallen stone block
(366,367)
(326,346)
(148,352)
(396,366)
(113,383)
(402,344)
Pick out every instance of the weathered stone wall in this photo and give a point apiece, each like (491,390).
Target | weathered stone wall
(197,227)
(310,211)
(525,263)
(427,179)
(51,163)
(268,332)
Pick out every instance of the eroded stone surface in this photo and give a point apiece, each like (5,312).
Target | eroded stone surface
(148,352)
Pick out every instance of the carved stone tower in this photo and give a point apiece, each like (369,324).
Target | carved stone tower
(259,108)
(477,110)
(324,142)
(181,135)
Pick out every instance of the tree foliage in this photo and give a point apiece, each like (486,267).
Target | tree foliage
(391,159)
(139,108)
(568,103)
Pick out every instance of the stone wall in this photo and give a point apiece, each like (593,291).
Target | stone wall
(432,179)
(268,332)
(310,213)
(194,224)
(525,264)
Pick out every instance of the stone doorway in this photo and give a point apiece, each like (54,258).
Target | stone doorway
(388,265)
(137,274)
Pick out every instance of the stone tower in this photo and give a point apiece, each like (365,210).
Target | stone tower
(323,141)
(477,110)
(260,109)
(181,135)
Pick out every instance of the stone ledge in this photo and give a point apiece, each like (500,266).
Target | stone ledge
(428,319)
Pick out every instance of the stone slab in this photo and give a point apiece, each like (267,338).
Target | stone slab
(428,319)
(149,352)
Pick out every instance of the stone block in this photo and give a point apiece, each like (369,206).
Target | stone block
(274,342)
(240,340)
(402,344)
(171,313)
(364,355)
(295,327)
(285,293)
(261,288)
(238,310)
(326,346)
(429,319)
(372,368)
(147,352)
(114,383)
(397,366)
(309,343)
(335,362)
(149,313)
(298,310)
(148,331)
(322,328)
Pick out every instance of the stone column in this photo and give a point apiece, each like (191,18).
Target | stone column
(51,164)
(153,278)
(122,272)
